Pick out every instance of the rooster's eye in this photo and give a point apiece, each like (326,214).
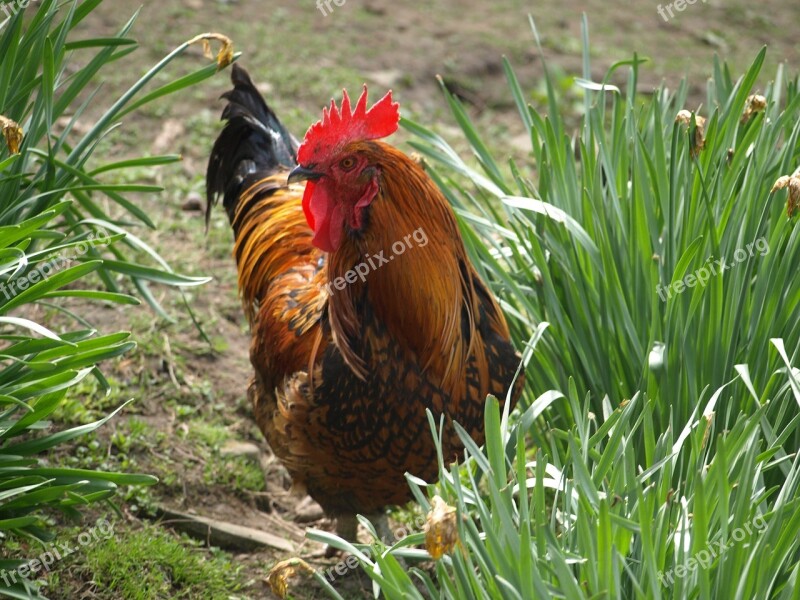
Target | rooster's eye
(347,163)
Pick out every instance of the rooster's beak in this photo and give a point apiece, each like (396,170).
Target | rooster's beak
(301,173)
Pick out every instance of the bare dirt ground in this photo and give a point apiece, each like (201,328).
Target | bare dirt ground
(190,407)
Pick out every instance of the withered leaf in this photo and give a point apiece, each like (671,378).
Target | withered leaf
(698,143)
(793,183)
(441,529)
(279,575)
(225,54)
(755,103)
(13,134)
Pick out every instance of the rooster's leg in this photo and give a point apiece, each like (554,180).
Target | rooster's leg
(346,528)
(381,522)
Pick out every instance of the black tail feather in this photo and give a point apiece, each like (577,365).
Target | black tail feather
(252,145)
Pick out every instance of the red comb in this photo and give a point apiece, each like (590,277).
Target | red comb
(338,127)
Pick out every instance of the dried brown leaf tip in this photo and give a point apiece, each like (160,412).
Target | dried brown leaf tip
(793,183)
(279,575)
(441,529)
(12,132)
(756,103)
(225,54)
(699,141)
(709,419)
(417,158)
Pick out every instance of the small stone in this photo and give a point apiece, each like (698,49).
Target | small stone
(307,511)
(386,79)
(265,87)
(193,203)
(237,448)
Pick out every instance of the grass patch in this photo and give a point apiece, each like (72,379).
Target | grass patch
(147,564)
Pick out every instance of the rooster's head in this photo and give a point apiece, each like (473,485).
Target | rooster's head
(342,168)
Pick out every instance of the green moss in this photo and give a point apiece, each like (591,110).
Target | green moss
(146,564)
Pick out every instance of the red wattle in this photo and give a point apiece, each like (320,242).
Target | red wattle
(307,194)
(324,217)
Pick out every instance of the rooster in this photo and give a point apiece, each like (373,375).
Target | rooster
(352,338)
